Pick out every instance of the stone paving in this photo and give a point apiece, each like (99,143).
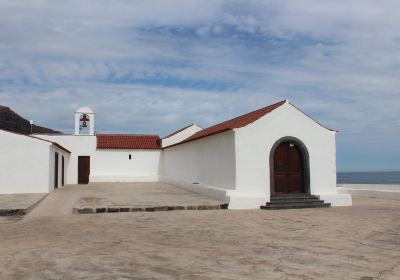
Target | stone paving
(132,197)
(359,242)
(19,204)
(121,197)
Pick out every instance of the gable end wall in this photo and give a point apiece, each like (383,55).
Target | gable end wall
(254,142)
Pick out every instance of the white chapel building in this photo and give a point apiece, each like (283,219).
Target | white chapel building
(245,161)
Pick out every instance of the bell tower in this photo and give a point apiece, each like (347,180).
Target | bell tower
(84,121)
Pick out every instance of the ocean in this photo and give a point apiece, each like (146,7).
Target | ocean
(385,178)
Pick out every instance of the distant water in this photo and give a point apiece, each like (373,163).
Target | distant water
(385,178)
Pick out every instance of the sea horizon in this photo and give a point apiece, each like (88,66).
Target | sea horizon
(369,177)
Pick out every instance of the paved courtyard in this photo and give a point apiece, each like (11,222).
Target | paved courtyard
(119,195)
(141,196)
(359,242)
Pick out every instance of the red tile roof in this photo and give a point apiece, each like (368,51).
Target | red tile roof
(179,130)
(128,141)
(237,122)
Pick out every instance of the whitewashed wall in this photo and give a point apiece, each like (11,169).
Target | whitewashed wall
(253,146)
(61,153)
(115,166)
(24,164)
(205,165)
(232,165)
(79,145)
(107,165)
(180,136)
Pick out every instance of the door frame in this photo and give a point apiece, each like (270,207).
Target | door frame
(62,170)
(56,170)
(79,182)
(306,163)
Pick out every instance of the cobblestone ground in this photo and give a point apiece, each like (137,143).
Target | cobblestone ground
(359,242)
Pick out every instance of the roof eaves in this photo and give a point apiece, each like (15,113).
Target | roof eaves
(193,137)
(190,140)
(37,138)
(61,147)
(51,142)
(179,130)
(127,148)
(128,134)
(331,129)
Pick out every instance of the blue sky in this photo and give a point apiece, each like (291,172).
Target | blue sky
(155,66)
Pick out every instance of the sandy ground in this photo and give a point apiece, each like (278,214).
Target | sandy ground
(359,242)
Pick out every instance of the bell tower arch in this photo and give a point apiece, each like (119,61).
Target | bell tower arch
(84,121)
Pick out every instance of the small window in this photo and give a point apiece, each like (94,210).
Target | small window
(130,156)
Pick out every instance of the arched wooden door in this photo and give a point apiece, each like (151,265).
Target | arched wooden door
(288,169)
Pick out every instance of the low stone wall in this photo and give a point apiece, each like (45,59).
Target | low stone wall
(19,204)
(113,209)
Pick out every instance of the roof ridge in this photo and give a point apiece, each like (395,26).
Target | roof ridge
(236,122)
(263,108)
(179,130)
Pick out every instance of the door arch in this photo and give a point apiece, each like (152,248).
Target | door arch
(289,167)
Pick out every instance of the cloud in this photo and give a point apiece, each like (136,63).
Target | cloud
(153,66)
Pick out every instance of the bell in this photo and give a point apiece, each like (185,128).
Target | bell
(84,124)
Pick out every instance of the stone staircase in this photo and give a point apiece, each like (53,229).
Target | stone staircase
(294,201)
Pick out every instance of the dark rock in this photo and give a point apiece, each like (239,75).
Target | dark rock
(112,210)
(85,211)
(11,121)
(161,208)
(178,208)
(100,210)
(224,206)
(12,212)
(137,209)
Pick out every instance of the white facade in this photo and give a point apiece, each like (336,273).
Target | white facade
(235,165)
(232,164)
(253,144)
(28,164)
(80,145)
(108,165)
(115,166)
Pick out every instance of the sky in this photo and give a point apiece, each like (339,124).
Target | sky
(158,65)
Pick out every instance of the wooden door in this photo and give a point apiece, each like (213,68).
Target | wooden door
(288,169)
(62,171)
(56,171)
(83,169)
